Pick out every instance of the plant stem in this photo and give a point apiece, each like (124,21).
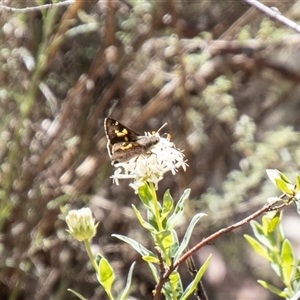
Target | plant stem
(155,207)
(90,254)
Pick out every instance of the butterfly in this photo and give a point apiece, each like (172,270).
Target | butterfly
(124,143)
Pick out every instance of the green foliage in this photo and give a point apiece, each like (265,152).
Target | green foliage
(284,185)
(188,291)
(271,244)
(169,250)
(165,239)
(178,211)
(105,274)
(271,221)
(281,181)
(128,282)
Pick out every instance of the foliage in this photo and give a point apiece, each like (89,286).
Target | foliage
(168,248)
(274,247)
(271,243)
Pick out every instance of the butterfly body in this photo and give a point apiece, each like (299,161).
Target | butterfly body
(125,143)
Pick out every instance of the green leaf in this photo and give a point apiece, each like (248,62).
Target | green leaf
(280,235)
(145,224)
(192,286)
(261,235)
(164,240)
(283,186)
(77,294)
(275,265)
(188,235)
(152,220)
(178,211)
(173,249)
(280,180)
(288,261)
(273,174)
(274,222)
(283,177)
(271,221)
(272,288)
(144,252)
(126,290)
(297,183)
(257,247)
(106,274)
(167,291)
(145,195)
(168,204)
(151,259)
(265,224)
(176,284)
(135,245)
(153,271)
(296,282)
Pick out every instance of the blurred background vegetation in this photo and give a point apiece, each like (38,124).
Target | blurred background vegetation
(221,74)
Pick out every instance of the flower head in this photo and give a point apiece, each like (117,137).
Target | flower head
(81,224)
(151,166)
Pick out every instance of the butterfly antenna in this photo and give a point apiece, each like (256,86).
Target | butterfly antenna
(162,127)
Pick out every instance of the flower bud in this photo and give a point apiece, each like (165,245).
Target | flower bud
(81,224)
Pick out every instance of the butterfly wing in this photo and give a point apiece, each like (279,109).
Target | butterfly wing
(125,143)
(118,134)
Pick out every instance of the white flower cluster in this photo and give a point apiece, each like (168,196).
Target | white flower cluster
(161,158)
(81,224)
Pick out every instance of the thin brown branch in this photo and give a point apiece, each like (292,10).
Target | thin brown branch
(273,13)
(161,261)
(266,208)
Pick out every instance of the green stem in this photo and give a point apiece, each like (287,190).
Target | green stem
(90,254)
(158,219)
(94,263)
(155,206)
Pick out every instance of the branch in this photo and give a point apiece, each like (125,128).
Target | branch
(34,8)
(274,14)
(266,208)
(161,261)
